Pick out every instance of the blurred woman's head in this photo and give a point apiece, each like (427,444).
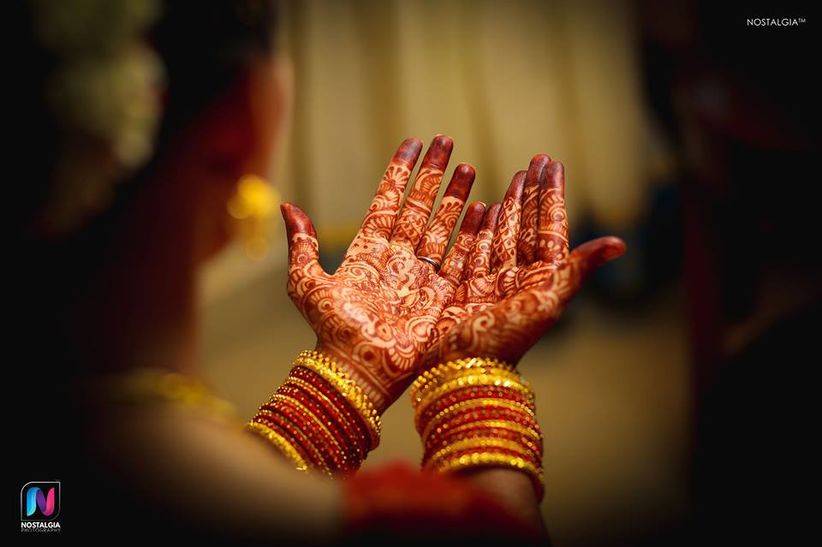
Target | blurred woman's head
(146,113)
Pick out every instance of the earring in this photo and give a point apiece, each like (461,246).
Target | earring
(253,209)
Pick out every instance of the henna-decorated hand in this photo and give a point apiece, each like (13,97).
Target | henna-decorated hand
(376,313)
(519,274)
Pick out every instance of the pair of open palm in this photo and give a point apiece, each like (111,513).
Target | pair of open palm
(388,313)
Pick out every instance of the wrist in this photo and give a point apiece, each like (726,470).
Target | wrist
(319,418)
(359,371)
(511,489)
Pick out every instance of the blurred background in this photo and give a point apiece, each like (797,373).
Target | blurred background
(673,390)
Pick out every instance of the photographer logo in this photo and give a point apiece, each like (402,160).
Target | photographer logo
(40,506)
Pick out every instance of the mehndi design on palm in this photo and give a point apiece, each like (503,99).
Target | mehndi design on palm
(375,315)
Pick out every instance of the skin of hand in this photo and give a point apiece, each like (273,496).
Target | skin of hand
(514,274)
(376,314)
(514,271)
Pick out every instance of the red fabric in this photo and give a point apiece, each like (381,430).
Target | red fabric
(400,502)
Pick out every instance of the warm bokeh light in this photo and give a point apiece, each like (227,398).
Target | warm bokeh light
(254,208)
(255,198)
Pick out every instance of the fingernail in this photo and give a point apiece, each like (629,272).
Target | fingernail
(442,139)
(555,174)
(461,181)
(409,150)
(537,166)
(440,151)
(465,170)
(614,249)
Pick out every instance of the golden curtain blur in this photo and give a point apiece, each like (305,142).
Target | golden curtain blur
(505,79)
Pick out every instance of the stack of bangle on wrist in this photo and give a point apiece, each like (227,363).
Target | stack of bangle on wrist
(477,412)
(319,418)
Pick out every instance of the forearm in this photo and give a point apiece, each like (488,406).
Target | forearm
(511,489)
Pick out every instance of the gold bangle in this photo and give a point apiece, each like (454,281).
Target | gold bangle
(525,447)
(506,425)
(423,402)
(479,403)
(451,368)
(440,377)
(483,459)
(325,367)
(480,443)
(280,443)
(472,377)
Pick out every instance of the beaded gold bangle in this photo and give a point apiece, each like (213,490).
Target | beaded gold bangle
(451,369)
(462,364)
(438,377)
(477,404)
(473,379)
(280,443)
(502,425)
(534,449)
(466,395)
(483,443)
(529,432)
(423,402)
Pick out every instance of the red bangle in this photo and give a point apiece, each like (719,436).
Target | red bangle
(342,431)
(289,420)
(333,454)
(467,394)
(482,411)
(319,418)
(341,406)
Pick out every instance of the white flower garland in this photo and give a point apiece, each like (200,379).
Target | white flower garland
(105,96)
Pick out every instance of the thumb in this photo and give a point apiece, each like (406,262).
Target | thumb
(554,296)
(303,249)
(592,254)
